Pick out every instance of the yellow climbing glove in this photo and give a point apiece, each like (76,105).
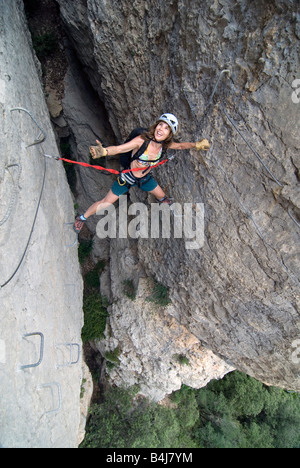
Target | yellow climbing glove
(202,145)
(98,151)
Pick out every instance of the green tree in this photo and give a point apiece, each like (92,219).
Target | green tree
(244,395)
(239,411)
(95,315)
(124,421)
(258,436)
(236,412)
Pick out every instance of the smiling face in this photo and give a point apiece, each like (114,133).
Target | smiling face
(162,131)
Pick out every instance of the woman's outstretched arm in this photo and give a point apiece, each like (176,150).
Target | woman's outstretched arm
(185,145)
(99,151)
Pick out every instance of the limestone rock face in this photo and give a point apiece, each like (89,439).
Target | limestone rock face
(238,294)
(41,285)
(152,350)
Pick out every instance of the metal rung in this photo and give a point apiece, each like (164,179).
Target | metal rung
(76,236)
(216,85)
(71,360)
(70,291)
(51,386)
(13,192)
(28,366)
(42,135)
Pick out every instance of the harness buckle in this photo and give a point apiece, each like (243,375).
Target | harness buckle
(121,179)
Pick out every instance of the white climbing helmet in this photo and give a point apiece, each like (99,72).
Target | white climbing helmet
(171,120)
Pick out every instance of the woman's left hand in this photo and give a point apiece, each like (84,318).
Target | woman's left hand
(202,145)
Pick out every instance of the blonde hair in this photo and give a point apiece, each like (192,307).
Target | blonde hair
(150,135)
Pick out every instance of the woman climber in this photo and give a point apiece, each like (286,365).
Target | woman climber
(146,151)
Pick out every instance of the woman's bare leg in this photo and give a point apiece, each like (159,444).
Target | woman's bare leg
(161,196)
(158,193)
(109,199)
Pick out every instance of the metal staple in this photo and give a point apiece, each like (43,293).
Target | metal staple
(28,366)
(40,197)
(13,193)
(42,135)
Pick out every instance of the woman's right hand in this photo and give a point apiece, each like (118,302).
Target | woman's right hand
(98,151)
(203,145)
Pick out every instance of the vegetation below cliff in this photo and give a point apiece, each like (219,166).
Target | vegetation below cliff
(236,412)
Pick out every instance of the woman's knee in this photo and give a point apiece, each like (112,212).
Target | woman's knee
(108,200)
(158,192)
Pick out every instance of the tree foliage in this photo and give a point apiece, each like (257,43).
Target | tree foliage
(124,421)
(236,412)
(241,412)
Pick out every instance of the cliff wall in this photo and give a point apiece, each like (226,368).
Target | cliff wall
(235,299)
(237,295)
(41,284)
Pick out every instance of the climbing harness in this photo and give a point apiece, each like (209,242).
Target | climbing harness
(121,181)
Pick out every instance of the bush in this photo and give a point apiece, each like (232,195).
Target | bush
(44,45)
(181,359)
(240,412)
(123,421)
(236,412)
(95,315)
(129,289)
(160,295)
(84,250)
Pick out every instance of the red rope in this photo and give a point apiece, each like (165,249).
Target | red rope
(99,168)
(112,171)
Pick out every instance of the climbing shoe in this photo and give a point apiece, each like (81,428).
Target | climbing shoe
(78,225)
(168,201)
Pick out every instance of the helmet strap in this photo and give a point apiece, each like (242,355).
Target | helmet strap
(158,142)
